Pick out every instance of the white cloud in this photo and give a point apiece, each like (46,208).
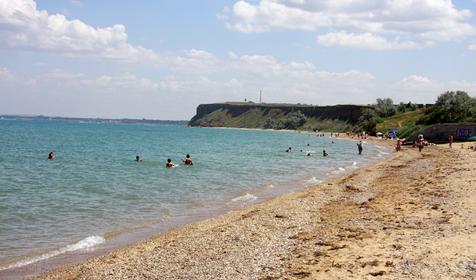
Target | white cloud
(25,27)
(176,93)
(365,41)
(472,47)
(436,20)
(5,74)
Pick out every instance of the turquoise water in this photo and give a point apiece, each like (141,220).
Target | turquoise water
(94,186)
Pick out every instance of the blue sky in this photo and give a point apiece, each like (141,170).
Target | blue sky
(160,59)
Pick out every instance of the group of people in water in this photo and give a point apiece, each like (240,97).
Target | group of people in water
(187,160)
(360,148)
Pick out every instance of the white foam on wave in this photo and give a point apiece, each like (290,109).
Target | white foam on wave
(270,186)
(338,170)
(86,243)
(313,180)
(245,198)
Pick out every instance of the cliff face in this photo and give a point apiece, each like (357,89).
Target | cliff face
(255,115)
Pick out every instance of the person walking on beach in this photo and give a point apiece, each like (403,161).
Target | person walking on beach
(51,156)
(420,143)
(398,147)
(360,147)
(169,164)
(187,160)
(450,141)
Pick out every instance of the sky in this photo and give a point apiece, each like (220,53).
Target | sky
(161,59)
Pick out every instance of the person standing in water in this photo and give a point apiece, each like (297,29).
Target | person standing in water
(51,156)
(169,164)
(289,150)
(187,160)
(324,153)
(138,158)
(360,147)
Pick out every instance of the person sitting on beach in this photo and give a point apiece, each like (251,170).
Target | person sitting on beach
(324,153)
(169,164)
(51,156)
(360,147)
(187,160)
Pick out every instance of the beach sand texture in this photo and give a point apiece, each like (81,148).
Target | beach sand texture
(412,216)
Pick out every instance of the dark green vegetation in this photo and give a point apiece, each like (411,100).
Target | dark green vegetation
(278,116)
(451,107)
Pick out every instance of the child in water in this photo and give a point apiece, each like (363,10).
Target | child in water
(51,156)
(187,160)
(169,164)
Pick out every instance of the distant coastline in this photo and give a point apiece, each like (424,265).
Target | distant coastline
(95,120)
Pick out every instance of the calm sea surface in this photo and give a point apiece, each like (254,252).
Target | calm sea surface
(94,187)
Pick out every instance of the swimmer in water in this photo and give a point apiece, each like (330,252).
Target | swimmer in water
(51,156)
(289,150)
(169,164)
(308,154)
(324,153)
(138,159)
(187,160)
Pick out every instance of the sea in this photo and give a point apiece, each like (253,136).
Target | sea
(94,193)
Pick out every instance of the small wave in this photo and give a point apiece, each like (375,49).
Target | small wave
(313,180)
(270,186)
(86,243)
(244,198)
(338,170)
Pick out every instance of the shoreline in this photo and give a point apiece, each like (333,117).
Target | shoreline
(362,225)
(217,215)
(133,237)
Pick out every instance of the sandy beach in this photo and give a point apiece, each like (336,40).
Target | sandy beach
(409,217)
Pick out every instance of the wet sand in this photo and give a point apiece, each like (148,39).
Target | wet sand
(412,216)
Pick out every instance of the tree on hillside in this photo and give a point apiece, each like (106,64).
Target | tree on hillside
(411,106)
(368,122)
(385,107)
(451,107)
(402,107)
(295,120)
